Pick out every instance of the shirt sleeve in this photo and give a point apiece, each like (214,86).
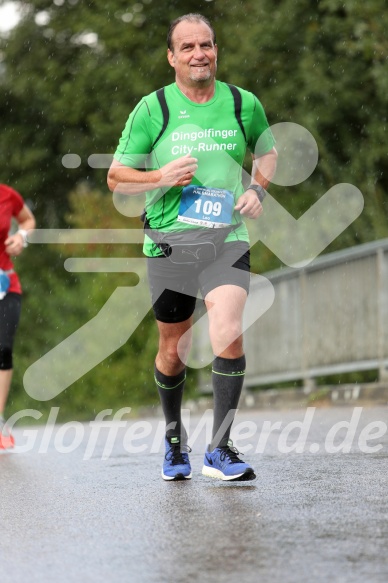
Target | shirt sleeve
(260,138)
(135,142)
(17,202)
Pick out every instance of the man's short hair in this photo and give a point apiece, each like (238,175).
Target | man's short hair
(191,17)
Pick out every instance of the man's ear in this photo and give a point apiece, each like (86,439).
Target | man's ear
(170,57)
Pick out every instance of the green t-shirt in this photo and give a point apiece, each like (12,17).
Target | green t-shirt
(207,131)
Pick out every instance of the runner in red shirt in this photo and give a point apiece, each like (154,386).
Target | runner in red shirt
(12,206)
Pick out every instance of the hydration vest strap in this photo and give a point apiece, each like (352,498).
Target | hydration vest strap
(166,114)
(237,107)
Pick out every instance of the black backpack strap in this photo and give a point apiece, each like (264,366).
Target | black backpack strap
(237,107)
(166,114)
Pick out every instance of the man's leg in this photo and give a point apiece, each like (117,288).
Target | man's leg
(173,311)
(225,305)
(173,306)
(170,374)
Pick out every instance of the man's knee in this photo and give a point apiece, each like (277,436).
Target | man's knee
(223,329)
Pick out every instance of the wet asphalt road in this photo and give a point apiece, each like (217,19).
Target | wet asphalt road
(317,515)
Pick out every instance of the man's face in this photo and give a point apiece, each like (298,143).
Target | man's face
(194,55)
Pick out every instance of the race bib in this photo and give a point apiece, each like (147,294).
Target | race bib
(4,284)
(206,207)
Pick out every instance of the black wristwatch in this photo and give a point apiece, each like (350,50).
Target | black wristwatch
(260,191)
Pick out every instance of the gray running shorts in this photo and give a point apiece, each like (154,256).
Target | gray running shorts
(174,288)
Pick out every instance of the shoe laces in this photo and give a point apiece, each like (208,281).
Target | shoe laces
(231,453)
(176,452)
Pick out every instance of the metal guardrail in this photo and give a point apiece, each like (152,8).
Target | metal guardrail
(327,318)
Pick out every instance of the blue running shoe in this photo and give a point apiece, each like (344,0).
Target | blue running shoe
(223,463)
(176,465)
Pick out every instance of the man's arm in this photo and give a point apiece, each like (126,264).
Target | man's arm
(263,169)
(127,180)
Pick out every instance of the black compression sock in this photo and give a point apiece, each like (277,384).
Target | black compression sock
(170,392)
(228,378)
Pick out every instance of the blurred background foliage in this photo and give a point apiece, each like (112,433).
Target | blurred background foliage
(70,73)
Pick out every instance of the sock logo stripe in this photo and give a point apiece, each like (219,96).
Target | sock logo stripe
(239,373)
(162,386)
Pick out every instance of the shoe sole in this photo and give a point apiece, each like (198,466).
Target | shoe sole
(178,477)
(246,476)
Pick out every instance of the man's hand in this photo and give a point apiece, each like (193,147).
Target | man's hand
(14,245)
(179,172)
(249,205)
(131,181)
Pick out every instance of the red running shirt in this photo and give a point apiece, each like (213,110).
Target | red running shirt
(11,204)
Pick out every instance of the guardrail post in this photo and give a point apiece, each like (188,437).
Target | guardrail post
(382,313)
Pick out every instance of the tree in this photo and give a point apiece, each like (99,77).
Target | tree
(72,71)
(81,67)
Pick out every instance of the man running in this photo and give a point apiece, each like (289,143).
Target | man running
(190,138)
